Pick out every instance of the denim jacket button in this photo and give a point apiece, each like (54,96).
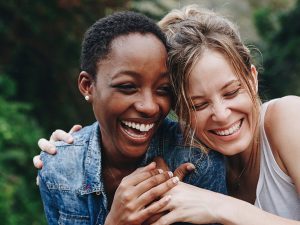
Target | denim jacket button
(98,193)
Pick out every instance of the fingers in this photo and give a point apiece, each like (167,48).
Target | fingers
(166,219)
(153,181)
(183,170)
(75,128)
(37,162)
(157,191)
(60,135)
(151,212)
(160,163)
(136,178)
(46,146)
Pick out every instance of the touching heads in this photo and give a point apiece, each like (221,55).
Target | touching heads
(124,73)
(213,77)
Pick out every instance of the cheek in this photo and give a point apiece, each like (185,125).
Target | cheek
(165,104)
(198,121)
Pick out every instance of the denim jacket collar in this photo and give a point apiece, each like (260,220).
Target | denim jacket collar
(92,164)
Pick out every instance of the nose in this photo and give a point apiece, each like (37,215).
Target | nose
(147,105)
(220,112)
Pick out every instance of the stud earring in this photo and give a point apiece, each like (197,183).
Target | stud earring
(87,97)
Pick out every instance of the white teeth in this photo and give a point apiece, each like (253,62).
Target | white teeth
(139,126)
(229,131)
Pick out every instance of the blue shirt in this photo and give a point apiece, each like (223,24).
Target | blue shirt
(71,183)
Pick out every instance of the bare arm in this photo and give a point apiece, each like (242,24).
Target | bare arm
(195,205)
(283,129)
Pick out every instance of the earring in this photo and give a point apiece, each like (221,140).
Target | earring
(87,97)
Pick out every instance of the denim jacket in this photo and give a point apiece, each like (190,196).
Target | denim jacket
(71,183)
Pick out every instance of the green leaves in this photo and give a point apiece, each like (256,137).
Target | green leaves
(19,199)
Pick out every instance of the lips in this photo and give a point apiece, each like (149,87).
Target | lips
(138,126)
(137,131)
(234,128)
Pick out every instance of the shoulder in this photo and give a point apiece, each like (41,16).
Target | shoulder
(282,125)
(170,127)
(210,171)
(283,106)
(68,161)
(282,118)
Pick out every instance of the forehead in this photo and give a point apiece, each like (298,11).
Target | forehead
(146,44)
(135,53)
(211,69)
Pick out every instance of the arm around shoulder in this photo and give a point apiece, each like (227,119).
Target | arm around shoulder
(199,206)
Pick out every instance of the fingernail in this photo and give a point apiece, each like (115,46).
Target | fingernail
(167,198)
(170,174)
(53,150)
(160,171)
(191,167)
(175,180)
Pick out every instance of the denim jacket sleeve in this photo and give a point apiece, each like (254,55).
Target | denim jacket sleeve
(210,172)
(50,208)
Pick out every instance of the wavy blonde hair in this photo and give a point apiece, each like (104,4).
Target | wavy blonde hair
(189,32)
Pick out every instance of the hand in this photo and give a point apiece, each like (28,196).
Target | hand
(49,147)
(192,205)
(135,199)
(180,172)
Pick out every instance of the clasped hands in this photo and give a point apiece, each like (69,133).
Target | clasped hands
(141,195)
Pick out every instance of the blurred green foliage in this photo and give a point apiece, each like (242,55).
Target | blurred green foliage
(280,32)
(19,198)
(40,47)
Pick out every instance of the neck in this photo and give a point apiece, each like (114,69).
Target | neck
(243,173)
(248,158)
(117,161)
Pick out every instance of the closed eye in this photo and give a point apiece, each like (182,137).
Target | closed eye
(126,88)
(164,90)
(232,93)
(200,106)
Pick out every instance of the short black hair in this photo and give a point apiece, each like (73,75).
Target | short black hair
(98,38)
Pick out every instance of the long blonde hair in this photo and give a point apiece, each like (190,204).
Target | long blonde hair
(189,32)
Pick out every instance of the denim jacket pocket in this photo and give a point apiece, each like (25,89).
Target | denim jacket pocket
(71,219)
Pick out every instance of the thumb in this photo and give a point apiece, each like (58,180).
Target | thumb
(183,170)
(160,163)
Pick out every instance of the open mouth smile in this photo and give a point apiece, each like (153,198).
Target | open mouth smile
(137,130)
(229,131)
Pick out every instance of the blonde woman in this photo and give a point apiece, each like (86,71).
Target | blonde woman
(214,78)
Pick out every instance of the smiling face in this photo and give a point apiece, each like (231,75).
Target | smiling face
(223,110)
(131,94)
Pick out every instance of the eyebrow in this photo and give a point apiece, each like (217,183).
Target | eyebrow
(135,74)
(229,83)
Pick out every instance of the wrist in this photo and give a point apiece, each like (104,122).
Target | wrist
(231,211)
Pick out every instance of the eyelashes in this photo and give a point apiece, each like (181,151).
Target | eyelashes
(228,95)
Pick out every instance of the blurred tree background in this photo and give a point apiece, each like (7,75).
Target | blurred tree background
(39,64)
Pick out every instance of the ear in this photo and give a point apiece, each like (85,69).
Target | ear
(254,74)
(85,85)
